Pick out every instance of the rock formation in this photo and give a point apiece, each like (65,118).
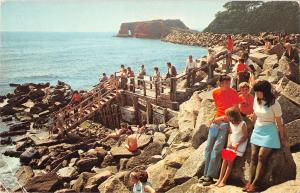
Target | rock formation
(154,29)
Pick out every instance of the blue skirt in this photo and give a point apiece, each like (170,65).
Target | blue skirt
(266,136)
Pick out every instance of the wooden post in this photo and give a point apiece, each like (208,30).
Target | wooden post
(136,109)
(173,88)
(144,87)
(149,112)
(133,86)
(151,81)
(156,89)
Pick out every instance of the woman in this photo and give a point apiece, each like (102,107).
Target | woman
(268,131)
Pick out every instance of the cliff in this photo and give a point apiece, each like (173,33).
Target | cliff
(257,16)
(155,29)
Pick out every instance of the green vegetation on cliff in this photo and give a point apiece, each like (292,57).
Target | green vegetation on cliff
(257,16)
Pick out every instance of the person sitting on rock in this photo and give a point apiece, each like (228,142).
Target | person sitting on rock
(247,60)
(143,128)
(124,130)
(246,105)
(171,71)
(268,133)
(237,143)
(140,182)
(190,71)
(104,78)
(224,97)
(293,59)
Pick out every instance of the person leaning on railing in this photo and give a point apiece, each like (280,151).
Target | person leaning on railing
(190,71)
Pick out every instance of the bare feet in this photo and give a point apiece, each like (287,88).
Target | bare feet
(221,184)
(217,183)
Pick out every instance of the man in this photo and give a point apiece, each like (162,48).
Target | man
(142,73)
(130,75)
(224,97)
(229,46)
(171,71)
(211,63)
(104,78)
(190,71)
(293,58)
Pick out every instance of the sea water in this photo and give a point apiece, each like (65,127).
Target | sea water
(78,59)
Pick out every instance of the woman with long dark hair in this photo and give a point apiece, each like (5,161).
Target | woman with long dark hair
(268,131)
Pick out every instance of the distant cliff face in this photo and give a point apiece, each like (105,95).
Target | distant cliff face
(257,16)
(155,29)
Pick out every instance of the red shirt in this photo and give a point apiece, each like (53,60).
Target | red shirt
(246,105)
(241,67)
(224,99)
(76,98)
(229,44)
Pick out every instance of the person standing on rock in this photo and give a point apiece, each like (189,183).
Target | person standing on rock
(293,59)
(142,73)
(229,46)
(124,79)
(171,71)
(130,75)
(156,79)
(268,133)
(190,71)
(225,98)
(211,63)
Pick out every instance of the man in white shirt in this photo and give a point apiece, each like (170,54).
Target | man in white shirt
(190,71)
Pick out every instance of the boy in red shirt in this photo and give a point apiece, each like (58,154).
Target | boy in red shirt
(229,46)
(224,97)
(243,71)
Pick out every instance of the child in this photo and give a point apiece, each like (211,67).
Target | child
(140,181)
(237,142)
(242,71)
(247,100)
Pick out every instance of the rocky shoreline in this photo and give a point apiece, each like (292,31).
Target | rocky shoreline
(173,155)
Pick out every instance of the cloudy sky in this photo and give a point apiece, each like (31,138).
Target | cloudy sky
(101,15)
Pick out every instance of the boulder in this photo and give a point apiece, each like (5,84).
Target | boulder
(278,49)
(143,140)
(199,188)
(173,122)
(93,182)
(159,138)
(270,61)
(6,118)
(183,187)
(145,157)
(113,184)
(289,89)
(87,164)
(293,132)
(66,190)
(28,155)
(161,174)
(291,186)
(205,116)
(258,58)
(290,111)
(7,110)
(36,94)
(274,75)
(24,174)
(280,168)
(20,126)
(67,173)
(283,66)
(81,181)
(193,166)
(120,152)
(43,183)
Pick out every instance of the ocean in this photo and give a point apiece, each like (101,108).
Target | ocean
(80,58)
(77,59)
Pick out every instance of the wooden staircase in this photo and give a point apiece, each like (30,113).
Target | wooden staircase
(95,99)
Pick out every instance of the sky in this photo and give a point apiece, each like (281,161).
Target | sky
(101,15)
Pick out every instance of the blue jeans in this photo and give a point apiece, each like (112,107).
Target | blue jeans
(217,138)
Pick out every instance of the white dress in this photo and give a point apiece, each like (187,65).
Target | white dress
(236,136)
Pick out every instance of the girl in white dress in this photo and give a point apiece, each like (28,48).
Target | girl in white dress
(237,142)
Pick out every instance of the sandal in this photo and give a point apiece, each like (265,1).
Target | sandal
(246,187)
(251,188)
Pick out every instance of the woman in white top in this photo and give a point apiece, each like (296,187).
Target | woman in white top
(268,131)
(237,142)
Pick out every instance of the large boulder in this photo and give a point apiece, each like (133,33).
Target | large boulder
(183,187)
(93,182)
(283,65)
(193,166)
(161,174)
(67,173)
(28,155)
(44,183)
(205,116)
(278,49)
(36,94)
(81,181)
(87,164)
(120,152)
(289,89)
(290,111)
(113,184)
(270,61)
(24,174)
(293,132)
(280,168)
(258,58)
(145,157)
